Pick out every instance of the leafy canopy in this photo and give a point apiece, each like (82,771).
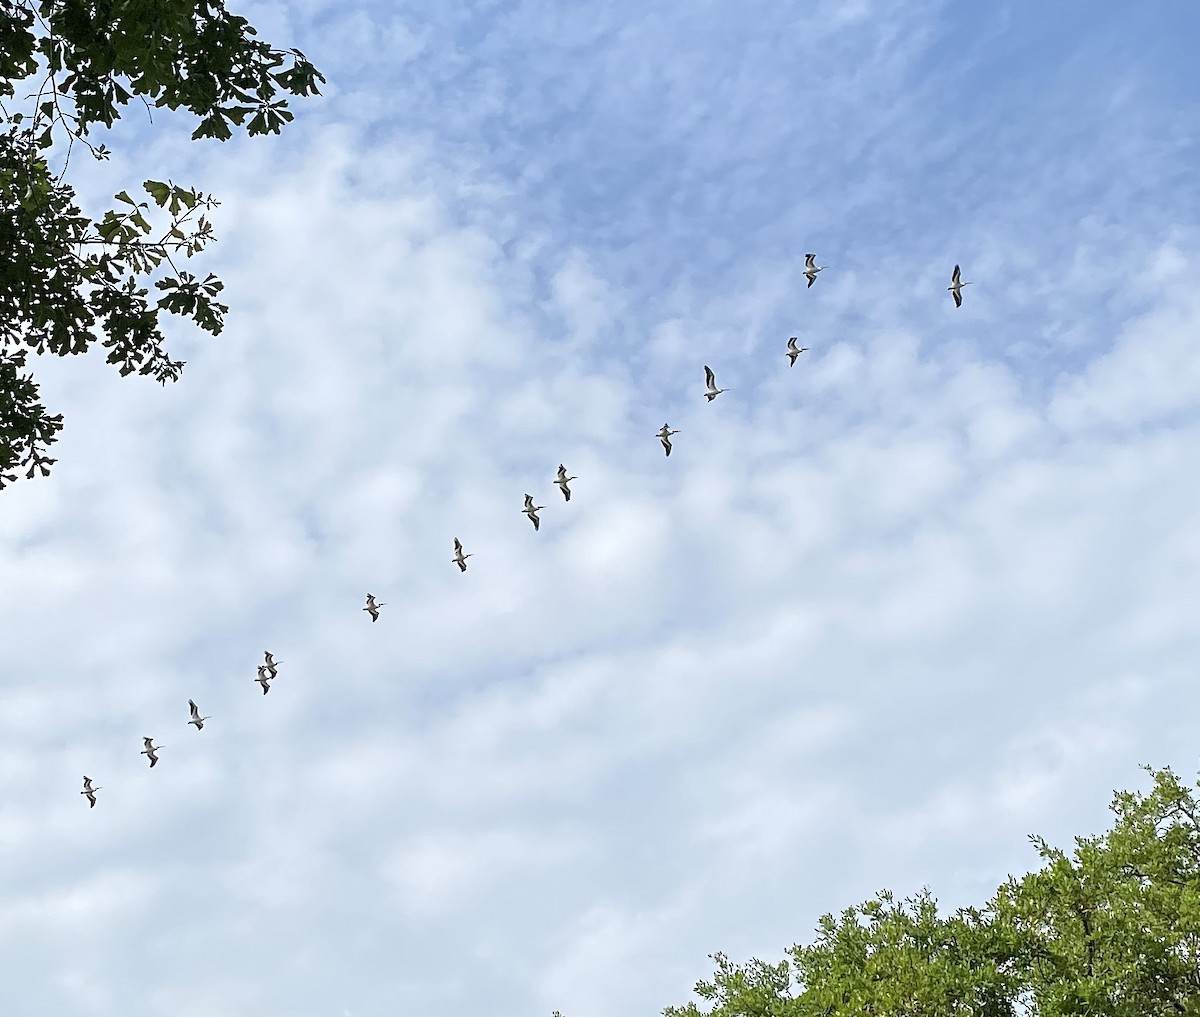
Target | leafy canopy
(65,277)
(1111,931)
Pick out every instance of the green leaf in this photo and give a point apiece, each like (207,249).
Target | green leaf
(213,126)
(157,190)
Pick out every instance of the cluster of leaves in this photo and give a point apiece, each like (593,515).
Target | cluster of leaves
(67,280)
(1113,931)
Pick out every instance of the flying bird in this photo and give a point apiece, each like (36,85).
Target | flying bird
(532,510)
(665,437)
(150,751)
(562,480)
(271,663)
(711,381)
(264,678)
(794,351)
(372,608)
(459,558)
(196,718)
(91,791)
(956,285)
(811,268)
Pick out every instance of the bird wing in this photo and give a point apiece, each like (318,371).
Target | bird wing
(457,544)
(709,378)
(194,708)
(957,298)
(956,274)
(792,342)
(810,260)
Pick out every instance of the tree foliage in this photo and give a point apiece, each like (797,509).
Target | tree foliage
(1112,931)
(65,277)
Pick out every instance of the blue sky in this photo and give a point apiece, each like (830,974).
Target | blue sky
(879,617)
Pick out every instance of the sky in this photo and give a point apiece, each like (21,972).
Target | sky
(879,617)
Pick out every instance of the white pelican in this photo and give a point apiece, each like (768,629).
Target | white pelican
(532,511)
(956,285)
(459,558)
(196,718)
(811,268)
(665,437)
(271,663)
(562,480)
(150,751)
(90,791)
(372,608)
(794,351)
(263,679)
(711,381)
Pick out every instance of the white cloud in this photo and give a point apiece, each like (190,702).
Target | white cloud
(436,872)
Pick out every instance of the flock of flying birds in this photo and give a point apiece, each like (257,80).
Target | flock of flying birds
(268,670)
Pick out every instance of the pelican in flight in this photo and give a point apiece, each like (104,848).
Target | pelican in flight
(532,511)
(150,751)
(665,437)
(271,663)
(956,285)
(562,480)
(710,380)
(196,718)
(89,791)
(372,609)
(811,268)
(459,558)
(794,351)
(264,678)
